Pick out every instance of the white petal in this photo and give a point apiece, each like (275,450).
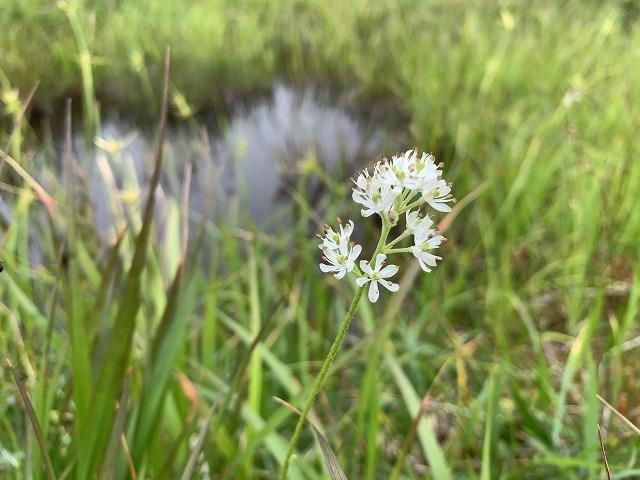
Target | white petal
(429,259)
(380,258)
(327,268)
(343,247)
(331,255)
(392,287)
(373,292)
(444,190)
(389,271)
(423,265)
(368,212)
(435,242)
(355,253)
(360,281)
(340,273)
(441,207)
(412,217)
(347,230)
(366,267)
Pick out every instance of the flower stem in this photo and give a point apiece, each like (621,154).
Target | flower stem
(386,226)
(384,234)
(399,238)
(319,379)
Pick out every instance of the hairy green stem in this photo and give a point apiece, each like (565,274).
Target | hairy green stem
(386,226)
(319,379)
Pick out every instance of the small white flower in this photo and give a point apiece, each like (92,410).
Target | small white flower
(436,194)
(340,260)
(426,171)
(399,172)
(377,276)
(426,240)
(373,194)
(416,223)
(332,239)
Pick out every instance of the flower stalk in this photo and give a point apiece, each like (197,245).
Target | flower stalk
(319,380)
(404,184)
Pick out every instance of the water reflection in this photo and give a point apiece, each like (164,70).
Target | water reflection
(249,160)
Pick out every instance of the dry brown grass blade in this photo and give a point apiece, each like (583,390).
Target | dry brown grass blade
(604,454)
(475,193)
(42,195)
(40,192)
(626,421)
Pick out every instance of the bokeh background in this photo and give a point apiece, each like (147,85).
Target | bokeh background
(132,337)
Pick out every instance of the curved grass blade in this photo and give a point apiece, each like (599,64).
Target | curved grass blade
(627,422)
(432,450)
(31,413)
(110,465)
(330,459)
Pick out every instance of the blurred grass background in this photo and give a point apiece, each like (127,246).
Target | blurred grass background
(533,106)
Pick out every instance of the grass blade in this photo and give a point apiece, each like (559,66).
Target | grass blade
(330,459)
(574,363)
(489,431)
(110,464)
(31,413)
(626,421)
(168,340)
(76,321)
(235,385)
(121,335)
(430,446)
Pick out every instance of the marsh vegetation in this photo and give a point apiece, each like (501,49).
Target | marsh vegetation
(191,316)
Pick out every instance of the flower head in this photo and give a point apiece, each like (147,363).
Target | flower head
(400,170)
(404,184)
(377,276)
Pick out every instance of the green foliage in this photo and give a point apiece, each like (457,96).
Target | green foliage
(127,349)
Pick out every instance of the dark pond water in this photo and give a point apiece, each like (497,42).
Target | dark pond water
(251,160)
(247,159)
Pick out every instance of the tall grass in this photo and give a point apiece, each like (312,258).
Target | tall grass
(126,349)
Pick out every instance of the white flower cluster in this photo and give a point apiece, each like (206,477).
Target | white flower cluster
(403,178)
(400,185)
